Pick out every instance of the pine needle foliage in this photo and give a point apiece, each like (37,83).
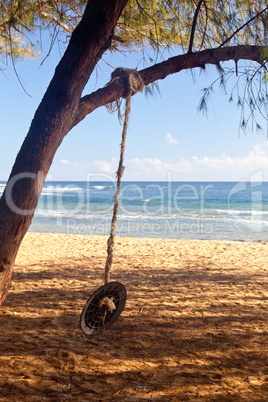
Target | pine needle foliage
(144,24)
(167,23)
(21,20)
(154,28)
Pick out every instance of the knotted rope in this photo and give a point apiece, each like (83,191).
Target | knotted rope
(133,83)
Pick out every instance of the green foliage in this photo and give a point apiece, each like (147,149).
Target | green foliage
(154,28)
(194,25)
(21,20)
(158,23)
(145,24)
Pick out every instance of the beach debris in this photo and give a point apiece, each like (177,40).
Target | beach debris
(145,388)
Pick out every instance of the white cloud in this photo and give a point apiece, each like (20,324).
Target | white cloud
(255,159)
(157,165)
(170,139)
(64,162)
(105,166)
(220,167)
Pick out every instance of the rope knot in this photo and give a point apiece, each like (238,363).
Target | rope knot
(131,80)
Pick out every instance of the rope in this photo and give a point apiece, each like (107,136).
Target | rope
(119,173)
(133,83)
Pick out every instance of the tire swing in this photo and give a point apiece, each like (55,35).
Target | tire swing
(106,304)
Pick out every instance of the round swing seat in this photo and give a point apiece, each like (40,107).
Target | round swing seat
(103,308)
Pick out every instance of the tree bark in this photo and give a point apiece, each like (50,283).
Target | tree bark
(159,71)
(52,121)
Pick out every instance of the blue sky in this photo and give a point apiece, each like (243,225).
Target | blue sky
(167,136)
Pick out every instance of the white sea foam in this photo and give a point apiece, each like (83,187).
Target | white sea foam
(99,187)
(89,205)
(54,190)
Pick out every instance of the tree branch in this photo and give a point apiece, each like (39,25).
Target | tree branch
(243,26)
(194,25)
(56,20)
(159,71)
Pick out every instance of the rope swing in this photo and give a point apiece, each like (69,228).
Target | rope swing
(106,304)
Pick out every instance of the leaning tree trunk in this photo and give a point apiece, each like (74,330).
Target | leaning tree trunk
(52,121)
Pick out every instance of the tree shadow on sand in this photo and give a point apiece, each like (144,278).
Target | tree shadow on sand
(184,334)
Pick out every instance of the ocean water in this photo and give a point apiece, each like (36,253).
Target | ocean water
(182,210)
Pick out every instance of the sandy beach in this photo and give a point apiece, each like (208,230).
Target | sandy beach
(195,325)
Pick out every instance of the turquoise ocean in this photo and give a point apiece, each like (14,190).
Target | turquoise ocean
(180,210)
